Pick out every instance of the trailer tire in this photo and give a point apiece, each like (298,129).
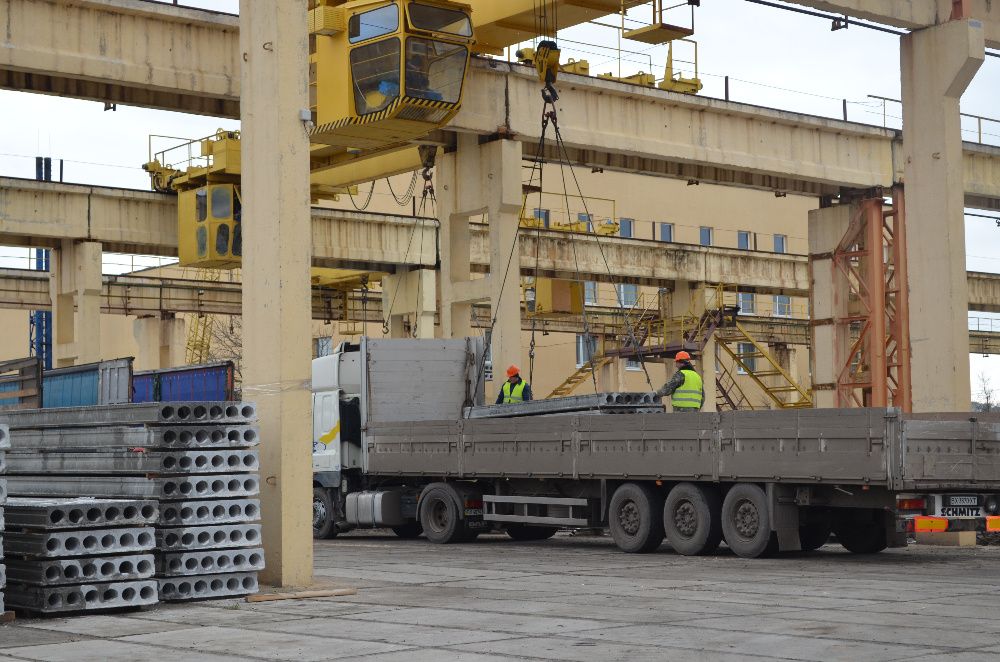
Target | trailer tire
(525,533)
(813,535)
(324,523)
(746,522)
(440,516)
(692,519)
(635,518)
(860,537)
(408,531)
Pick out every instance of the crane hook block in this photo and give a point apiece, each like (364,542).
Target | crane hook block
(547,61)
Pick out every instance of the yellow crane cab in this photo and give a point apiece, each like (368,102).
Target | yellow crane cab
(386,73)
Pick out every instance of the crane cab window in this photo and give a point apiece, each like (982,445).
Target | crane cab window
(435,69)
(201,204)
(222,202)
(439,19)
(375,70)
(374,23)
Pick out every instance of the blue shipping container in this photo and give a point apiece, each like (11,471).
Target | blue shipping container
(104,383)
(212,381)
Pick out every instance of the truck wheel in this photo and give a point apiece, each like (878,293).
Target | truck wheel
(324,524)
(813,535)
(527,533)
(860,537)
(692,519)
(635,520)
(746,522)
(408,531)
(439,515)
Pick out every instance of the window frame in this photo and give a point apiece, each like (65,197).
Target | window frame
(664,226)
(701,235)
(361,39)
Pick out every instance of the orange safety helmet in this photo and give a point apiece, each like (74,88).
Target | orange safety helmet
(682,356)
(513,370)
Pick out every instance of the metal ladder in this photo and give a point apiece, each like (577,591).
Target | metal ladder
(786,393)
(579,376)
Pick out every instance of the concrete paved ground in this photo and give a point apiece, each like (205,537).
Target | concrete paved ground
(568,599)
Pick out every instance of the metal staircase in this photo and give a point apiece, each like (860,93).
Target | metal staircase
(731,396)
(777,384)
(581,375)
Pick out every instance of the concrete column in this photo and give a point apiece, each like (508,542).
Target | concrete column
(75,289)
(937,64)
(502,159)
(410,294)
(709,354)
(480,180)
(456,256)
(161,342)
(829,301)
(277,315)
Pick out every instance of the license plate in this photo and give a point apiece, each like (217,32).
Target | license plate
(951,511)
(961,500)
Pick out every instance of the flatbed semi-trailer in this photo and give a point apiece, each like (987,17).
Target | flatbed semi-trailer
(408,458)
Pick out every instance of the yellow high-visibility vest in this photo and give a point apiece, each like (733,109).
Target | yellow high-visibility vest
(512,395)
(689,395)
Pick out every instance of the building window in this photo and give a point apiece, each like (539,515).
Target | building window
(666,231)
(586,218)
(590,293)
(780,243)
(633,364)
(543,215)
(782,305)
(625,227)
(747,303)
(628,295)
(322,346)
(747,353)
(743,240)
(706,236)
(586,348)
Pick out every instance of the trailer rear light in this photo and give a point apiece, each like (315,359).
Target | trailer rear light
(908,523)
(925,524)
(911,504)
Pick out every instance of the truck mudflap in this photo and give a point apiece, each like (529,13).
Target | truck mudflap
(933,524)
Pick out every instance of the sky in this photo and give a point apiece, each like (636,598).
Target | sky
(773,58)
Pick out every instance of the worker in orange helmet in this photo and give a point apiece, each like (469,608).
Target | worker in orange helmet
(514,389)
(685,388)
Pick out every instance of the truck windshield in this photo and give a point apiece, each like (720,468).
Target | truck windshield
(439,19)
(435,69)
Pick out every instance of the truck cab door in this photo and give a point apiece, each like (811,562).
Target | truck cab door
(326,437)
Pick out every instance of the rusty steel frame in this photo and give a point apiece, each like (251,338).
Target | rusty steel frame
(872,257)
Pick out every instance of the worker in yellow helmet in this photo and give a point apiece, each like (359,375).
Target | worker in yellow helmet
(514,389)
(685,388)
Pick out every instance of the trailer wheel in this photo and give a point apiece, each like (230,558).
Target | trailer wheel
(692,519)
(859,534)
(409,530)
(439,515)
(527,533)
(634,517)
(324,524)
(813,535)
(746,522)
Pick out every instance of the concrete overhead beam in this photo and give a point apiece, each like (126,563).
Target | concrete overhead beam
(913,14)
(21,289)
(42,214)
(124,51)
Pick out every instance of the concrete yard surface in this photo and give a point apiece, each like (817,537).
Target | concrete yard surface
(568,599)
